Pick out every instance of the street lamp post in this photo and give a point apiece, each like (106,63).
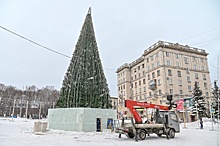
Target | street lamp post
(26,110)
(12,115)
(40,111)
(197,113)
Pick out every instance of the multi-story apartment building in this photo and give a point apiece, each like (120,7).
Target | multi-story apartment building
(164,69)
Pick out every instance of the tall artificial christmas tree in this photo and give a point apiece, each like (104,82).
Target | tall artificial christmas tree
(198,103)
(84,84)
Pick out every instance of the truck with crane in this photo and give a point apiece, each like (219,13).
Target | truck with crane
(166,121)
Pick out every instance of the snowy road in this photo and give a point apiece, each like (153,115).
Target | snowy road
(19,133)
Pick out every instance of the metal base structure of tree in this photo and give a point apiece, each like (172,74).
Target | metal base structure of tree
(198,103)
(84,84)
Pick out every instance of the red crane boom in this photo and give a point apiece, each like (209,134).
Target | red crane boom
(130,104)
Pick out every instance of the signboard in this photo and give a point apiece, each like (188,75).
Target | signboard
(180,105)
(212,111)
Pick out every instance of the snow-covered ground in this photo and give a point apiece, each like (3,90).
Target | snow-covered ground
(20,133)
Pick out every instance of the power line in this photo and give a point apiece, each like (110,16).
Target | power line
(206,41)
(195,35)
(41,45)
(35,42)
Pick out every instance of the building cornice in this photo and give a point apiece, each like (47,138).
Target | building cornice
(175,46)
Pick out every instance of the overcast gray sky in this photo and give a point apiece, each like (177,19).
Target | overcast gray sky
(123,29)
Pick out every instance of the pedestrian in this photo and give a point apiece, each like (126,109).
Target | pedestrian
(201,124)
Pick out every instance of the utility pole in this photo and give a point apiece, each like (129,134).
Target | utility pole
(40,111)
(218,94)
(26,110)
(12,115)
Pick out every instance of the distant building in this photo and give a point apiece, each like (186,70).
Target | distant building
(163,69)
(114,102)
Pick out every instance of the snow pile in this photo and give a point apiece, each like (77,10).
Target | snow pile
(20,133)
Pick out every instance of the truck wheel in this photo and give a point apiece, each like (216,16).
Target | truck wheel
(130,135)
(159,135)
(171,133)
(142,134)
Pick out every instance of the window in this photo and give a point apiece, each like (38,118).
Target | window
(142,65)
(152,65)
(169,72)
(187,70)
(202,60)
(197,83)
(123,86)
(188,79)
(193,58)
(204,77)
(139,75)
(178,64)
(170,81)
(118,88)
(147,59)
(131,78)
(158,63)
(157,54)
(171,91)
(131,85)
(173,116)
(181,92)
(167,54)
(179,73)
(158,82)
(194,66)
(186,60)
(205,85)
(140,90)
(134,70)
(153,75)
(189,88)
(138,67)
(158,72)
(150,94)
(135,84)
(144,81)
(207,94)
(140,97)
(144,89)
(145,97)
(140,83)
(143,73)
(152,57)
(148,68)
(135,77)
(148,76)
(177,55)
(202,67)
(180,82)
(160,92)
(168,62)
(196,75)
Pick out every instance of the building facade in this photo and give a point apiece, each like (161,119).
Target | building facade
(164,69)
